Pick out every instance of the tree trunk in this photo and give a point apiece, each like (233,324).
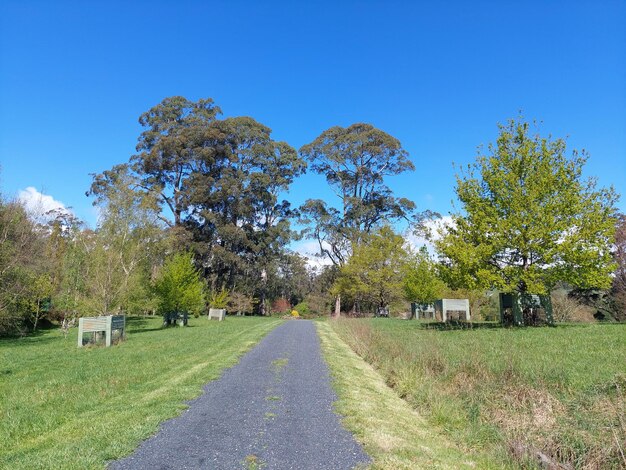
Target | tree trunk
(37,316)
(338,306)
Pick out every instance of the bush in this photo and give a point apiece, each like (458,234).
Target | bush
(219,299)
(240,303)
(569,309)
(303,308)
(281,305)
(178,286)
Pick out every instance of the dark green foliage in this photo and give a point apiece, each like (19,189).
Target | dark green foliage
(355,161)
(217,184)
(238,223)
(175,131)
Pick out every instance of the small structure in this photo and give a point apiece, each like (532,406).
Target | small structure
(525,309)
(104,324)
(452,309)
(382,312)
(425,311)
(176,318)
(217,313)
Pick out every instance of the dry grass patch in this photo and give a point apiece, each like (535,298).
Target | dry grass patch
(511,393)
(392,433)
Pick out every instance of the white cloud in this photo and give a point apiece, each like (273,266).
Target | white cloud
(38,204)
(433,231)
(310,250)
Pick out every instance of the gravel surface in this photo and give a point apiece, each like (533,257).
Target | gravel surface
(273,410)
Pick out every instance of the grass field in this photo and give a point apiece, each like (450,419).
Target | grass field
(64,407)
(508,392)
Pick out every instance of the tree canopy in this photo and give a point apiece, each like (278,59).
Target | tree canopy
(217,184)
(529,218)
(179,287)
(355,161)
(174,136)
(421,281)
(202,207)
(374,273)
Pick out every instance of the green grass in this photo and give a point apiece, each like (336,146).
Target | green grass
(559,390)
(393,434)
(64,407)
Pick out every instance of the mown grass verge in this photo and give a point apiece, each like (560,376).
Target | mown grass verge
(512,393)
(391,432)
(64,407)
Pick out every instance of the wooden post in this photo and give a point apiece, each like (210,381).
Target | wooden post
(108,331)
(80,332)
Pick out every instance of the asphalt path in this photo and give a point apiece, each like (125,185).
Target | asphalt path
(273,410)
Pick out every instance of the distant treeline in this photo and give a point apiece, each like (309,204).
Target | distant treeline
(211,187)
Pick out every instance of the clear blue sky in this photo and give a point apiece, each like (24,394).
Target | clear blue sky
(75,76)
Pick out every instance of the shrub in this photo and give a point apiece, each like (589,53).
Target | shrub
(240,303)
(219,299)
(319,304)
(281,305)
(178,286)
(569,309)
(303,308)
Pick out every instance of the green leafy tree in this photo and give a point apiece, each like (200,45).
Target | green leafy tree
(217,183)
(174,136)
(39,295)
(374,272)
(529,218)
(355,161)
(421,280)
(219,299)
(179,287)
(125,245)
(240,225)
(68,257)
(21,257)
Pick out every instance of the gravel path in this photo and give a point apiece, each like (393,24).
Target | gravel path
(273,410)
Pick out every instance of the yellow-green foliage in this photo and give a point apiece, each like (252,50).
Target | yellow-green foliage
(374,271)
(529,218)
(421,283)
(178,286)
(219,299)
